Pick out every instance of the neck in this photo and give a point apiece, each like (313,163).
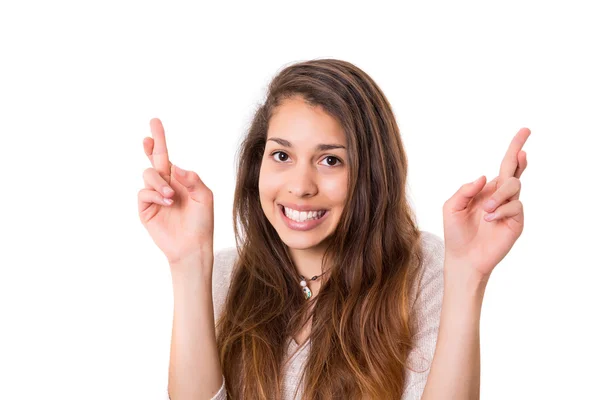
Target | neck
(308,261)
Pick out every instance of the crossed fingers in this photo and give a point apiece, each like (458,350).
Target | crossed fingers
(502,202)
(156,149)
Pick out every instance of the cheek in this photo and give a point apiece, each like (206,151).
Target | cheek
(267,186)
(335,190)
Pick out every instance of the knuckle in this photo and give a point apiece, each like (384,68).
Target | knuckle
(148,172)
(446,205)
(208,196)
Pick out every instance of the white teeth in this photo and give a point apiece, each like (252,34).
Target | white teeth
(302,216)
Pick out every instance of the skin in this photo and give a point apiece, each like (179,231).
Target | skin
(302,174)
(474,241)
(305,176)
(175,206)
(474,245)
(183,230)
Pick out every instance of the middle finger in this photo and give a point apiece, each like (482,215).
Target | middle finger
(509,164)
(148,147)
(160,155)
(508,191)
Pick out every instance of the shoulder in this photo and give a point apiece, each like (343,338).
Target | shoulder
(426,313)
(432,244)
(433,252)
(224,261)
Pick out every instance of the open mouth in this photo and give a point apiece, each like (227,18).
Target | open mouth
(300,217)
(311,219)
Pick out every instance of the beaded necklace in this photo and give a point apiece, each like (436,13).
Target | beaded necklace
(305,288)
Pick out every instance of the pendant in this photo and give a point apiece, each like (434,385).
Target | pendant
(307,292)
(305,289)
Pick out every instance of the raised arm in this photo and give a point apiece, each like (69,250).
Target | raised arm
(176,208)
(194,368)
(481,224)
(455,369)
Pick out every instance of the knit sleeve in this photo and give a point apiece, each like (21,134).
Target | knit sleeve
(426,316)
(224,261)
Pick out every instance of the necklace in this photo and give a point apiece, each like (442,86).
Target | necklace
(305,288)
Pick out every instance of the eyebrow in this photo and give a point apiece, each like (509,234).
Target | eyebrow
(320,147)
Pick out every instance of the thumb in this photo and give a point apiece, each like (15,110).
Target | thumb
(463,196)
(197,190)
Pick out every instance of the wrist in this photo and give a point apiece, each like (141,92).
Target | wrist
(462,279)
(195,264)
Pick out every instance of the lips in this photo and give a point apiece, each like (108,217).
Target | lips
(301,226)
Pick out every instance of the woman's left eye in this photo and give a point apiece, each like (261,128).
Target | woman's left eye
(330,158)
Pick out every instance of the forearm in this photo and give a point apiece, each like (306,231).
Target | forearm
(194,368)
(455,369)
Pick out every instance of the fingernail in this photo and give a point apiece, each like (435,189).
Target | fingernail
(168,201)
(167,190)
(179,171)
(489,217)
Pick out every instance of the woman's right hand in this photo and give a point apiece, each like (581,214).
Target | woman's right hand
(183,229)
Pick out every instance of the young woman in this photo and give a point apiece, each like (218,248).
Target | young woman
(332,291)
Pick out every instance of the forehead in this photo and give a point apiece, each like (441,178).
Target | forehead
(297,121)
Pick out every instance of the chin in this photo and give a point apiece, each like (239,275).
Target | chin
(301,243)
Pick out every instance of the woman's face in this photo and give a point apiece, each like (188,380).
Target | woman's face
(304,174)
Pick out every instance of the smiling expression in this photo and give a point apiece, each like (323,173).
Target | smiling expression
(304,174)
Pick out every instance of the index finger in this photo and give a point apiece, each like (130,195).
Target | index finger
(160,155)
(510,162)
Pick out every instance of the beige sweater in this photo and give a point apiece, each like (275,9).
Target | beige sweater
(427,309)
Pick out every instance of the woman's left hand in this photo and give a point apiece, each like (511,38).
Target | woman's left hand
(477,245)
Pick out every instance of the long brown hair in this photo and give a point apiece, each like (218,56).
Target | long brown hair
(361,323)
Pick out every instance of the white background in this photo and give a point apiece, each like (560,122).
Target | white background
(86,297)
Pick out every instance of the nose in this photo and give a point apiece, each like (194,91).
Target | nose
(301,181)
